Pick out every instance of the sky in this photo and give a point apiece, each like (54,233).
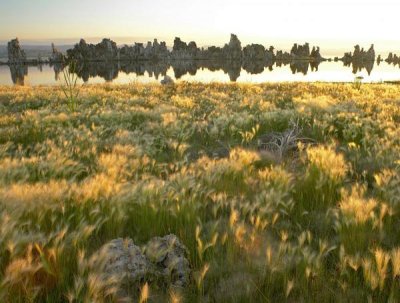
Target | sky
(205,21)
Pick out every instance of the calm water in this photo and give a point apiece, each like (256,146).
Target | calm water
(204,72)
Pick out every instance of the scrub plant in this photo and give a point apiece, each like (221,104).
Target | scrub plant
(357,82)
(70,86)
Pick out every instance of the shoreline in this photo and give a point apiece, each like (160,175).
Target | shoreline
(206,84)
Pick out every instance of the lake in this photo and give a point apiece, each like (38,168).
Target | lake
(122,73)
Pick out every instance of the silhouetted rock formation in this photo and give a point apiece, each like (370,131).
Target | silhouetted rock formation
(213,53)
(156,50)
(254,52)
(283,56)
(56,60)
(360,59)
(106,50)
(15,53)
(360,55)
(269,54)
(183,51)
(233,50)
(301,51)
(16,61)
(132,53)
(179,45)
(255,57)
(315,54)
(56,55)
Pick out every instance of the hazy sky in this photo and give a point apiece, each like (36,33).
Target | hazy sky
(206,21)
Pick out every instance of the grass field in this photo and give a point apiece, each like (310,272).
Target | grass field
(280,192)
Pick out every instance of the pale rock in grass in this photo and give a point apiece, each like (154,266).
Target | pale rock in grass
(122,259)
(162,260)
(170,257)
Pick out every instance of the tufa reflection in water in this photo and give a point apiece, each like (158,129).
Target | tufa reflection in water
(109,71)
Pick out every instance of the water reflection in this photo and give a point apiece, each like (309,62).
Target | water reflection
(18,73)
(109,71)
(393,59)
(358,66)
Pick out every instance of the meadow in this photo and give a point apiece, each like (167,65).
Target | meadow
(280,192)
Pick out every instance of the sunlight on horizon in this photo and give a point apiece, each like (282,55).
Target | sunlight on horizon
(207,22)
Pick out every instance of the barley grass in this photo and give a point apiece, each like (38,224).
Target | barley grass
(280,192)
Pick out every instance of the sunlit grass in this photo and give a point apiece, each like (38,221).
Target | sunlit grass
(281,192)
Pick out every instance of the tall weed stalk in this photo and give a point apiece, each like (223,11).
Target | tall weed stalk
(70,87)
